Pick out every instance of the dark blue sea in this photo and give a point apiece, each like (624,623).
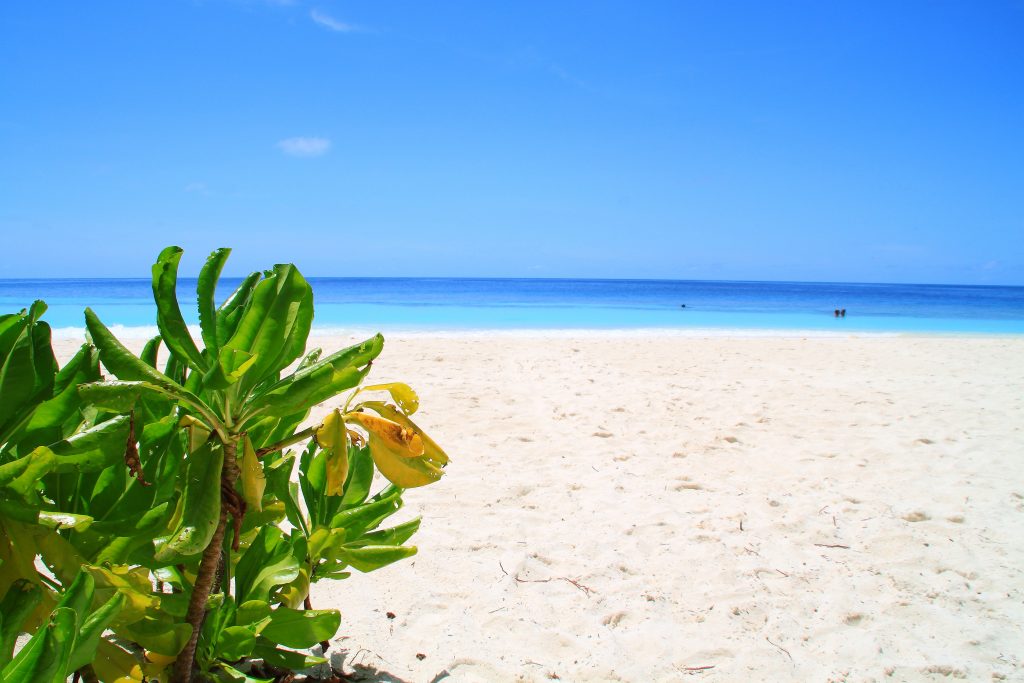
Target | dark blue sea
(449,304)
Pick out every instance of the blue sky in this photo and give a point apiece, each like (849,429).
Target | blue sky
(841,141)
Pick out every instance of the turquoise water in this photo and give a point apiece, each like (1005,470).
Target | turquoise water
(434,304)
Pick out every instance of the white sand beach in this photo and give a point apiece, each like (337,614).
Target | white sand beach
(654,508)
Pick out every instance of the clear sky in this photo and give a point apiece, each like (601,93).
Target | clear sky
(842,141)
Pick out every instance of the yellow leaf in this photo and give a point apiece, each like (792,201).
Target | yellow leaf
(331,432)
(155,665)
(134,584)
(295,593)
(114,664)
(332,435)
(431,451)
(403,441)
(198,432)
(401,393)
(337,470)
(399,468)
(254,482)
(357,438)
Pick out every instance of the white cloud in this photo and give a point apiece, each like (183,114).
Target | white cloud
(304,147)
(327,21)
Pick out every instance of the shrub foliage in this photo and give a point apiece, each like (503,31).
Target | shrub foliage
(155,524)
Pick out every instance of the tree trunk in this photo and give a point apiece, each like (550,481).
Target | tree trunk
(208,567)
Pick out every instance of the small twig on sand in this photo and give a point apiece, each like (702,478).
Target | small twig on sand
(587,590)
(780,647)
(782,572)
(698,668)
(832,545)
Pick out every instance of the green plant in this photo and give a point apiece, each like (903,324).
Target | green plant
(123,490)
(213,425)
(67,640)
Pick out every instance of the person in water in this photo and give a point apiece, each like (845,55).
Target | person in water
(837,312)
(842,313)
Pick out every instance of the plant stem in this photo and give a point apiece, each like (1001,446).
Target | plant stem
(206,575)
(293,439)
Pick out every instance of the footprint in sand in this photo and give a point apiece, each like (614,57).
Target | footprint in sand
(916,516)
(612,620)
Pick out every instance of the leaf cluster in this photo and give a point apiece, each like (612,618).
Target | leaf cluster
(168,493)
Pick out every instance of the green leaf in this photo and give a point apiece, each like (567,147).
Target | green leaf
(117,396)
(358,519)
(64,520)
(326,378)
(92,629)
(200,506)
(371,557)
(27,372)
(266,564)
(230,366)
(168,314)
(396,535)
(275,323)
(360,478)
(301,628)
(89,450)
(285,659)
(230,312)
(138,523)
(206,290)
(235,642)
(127,367)
(280,484)
(230,674)
(48,418)
(133,583)
(254,615)
(158,634)
(18,604)
(78,596)
(45,657)
(150,351)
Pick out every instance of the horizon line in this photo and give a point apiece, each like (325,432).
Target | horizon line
(538,279)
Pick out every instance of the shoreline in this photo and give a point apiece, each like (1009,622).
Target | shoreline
(148,331)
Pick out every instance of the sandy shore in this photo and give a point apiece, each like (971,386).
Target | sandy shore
(648,508)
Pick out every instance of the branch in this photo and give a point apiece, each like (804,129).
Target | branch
(293,439)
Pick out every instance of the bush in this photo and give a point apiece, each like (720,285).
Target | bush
(172,488)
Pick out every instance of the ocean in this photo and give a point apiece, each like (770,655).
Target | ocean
(462,304)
